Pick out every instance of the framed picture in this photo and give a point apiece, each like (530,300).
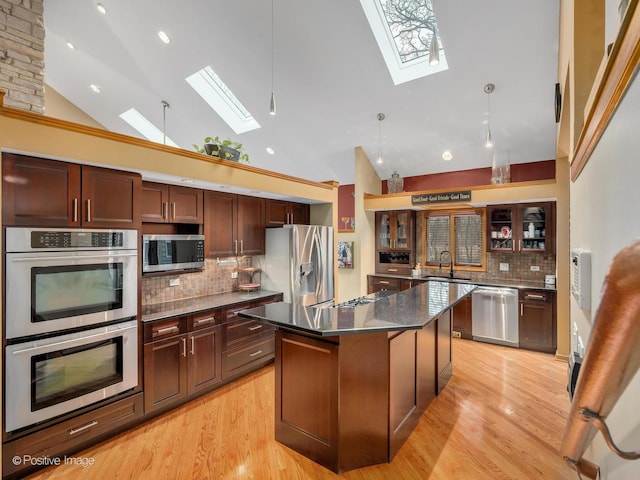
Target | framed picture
(345,254)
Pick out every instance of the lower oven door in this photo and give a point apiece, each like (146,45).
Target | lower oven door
(54,376)
(54,291)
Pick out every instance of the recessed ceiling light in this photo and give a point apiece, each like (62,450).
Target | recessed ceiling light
(145,127)
(379,160)
(164,37)
(70,45)
(101,8)
(447,155)
(270,151)
(95,88)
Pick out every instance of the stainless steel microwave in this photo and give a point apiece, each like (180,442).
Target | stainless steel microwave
(161,253)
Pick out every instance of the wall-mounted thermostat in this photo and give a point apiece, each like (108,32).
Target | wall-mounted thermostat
(581,277)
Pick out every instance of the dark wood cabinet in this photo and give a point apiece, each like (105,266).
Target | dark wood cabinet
(280,212)
(41,192)
(521,228)
(377,283)
(461,320)
(234,224)
(182,357)
(444,354)
(537,325)
(321,383)
(403,395)
(204,359)
(71,435)
(395,242)
(171,203)
(247,344)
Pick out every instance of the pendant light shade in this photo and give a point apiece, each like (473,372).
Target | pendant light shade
(380,118)
(434,50)
(272,105)
(272,100)
(488,89)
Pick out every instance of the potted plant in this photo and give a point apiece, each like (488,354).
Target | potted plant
(225,149)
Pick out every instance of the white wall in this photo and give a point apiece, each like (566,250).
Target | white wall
(604,219)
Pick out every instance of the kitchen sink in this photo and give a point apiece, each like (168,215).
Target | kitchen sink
(446,278)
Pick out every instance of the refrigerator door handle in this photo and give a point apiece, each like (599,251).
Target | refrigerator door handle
(318,246)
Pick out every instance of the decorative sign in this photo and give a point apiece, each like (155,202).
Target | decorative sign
(426,198)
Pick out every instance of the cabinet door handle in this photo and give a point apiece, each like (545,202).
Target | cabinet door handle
(165,209)
(532,296)
(88,210)
(522,309)
(392,270)
(235,247)
(173,208)
(75,209)
(73,431)
(383,282)
(162,331)
(241,247)
(184,347)
(202,321)
(193,345)
(255,353)
(255,327)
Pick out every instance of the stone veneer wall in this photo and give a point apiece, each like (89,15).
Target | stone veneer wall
(519,268)
(213,279)
(22,54)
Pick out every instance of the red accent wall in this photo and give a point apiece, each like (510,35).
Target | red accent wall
(520,172)
(346,202)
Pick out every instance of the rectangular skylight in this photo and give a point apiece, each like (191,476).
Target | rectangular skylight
(219,97)
(403,31)
(145,127)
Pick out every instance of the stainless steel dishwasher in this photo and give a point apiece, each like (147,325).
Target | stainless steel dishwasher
(494,315)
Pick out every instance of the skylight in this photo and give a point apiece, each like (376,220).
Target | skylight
(145,127)
(219,97)
(403,31)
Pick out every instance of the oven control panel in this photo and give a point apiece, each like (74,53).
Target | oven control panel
(55,239)
(24,239)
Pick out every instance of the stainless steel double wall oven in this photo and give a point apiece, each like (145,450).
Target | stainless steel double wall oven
(70,320)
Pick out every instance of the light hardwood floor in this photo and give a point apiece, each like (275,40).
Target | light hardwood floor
(501,416)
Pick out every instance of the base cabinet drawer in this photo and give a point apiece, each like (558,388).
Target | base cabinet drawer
(243,330)
(69,436)
(240,360)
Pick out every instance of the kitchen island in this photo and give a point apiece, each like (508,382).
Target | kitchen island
(353,381)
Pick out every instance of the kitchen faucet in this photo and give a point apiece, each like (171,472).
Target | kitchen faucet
(450,262)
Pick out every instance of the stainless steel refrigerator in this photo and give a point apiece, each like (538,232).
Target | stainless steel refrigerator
(299,262)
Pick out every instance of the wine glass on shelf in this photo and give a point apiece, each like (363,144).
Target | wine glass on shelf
(346,221)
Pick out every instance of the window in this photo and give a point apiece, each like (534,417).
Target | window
(404,30)
(460,232)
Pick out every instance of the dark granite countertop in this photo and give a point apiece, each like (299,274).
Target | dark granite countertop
(176,308)
(490,282)
(406,310)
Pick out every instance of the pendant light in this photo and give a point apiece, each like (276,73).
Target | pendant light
(272,101)
(434,50)
(488,89)
(380,117)
(165,105)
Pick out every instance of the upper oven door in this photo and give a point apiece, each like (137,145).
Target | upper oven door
(53,291)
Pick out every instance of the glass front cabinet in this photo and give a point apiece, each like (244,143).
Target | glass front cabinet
(395,242)
(521,228)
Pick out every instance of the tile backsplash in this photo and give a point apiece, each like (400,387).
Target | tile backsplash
(213,279)
(519,268)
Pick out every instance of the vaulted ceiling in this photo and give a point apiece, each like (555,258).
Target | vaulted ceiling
(330,79)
